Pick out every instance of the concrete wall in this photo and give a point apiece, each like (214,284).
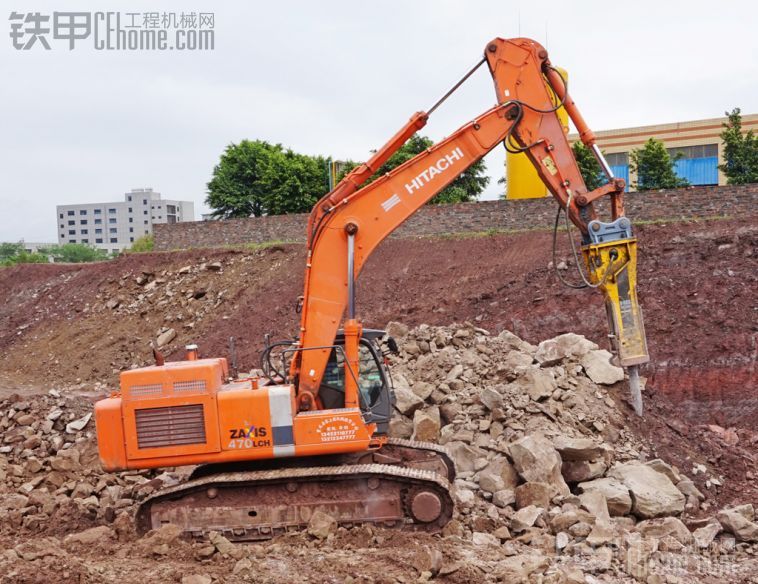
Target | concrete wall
(435,220)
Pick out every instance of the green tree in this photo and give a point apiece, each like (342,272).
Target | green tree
(467,187)
(654,167)
(142,244)
(257,178)
(14,253)
(75,253)
(740,151)
(10,250)
(588,166)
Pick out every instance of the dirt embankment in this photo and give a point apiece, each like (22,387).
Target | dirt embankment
(63,325)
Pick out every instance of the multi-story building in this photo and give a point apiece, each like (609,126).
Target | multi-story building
(115,226)
(697,146)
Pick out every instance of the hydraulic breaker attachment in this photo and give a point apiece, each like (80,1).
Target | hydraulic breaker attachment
(611,260)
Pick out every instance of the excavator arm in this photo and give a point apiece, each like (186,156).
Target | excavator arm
(347,224)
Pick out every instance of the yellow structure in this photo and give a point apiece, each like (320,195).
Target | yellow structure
(521,178)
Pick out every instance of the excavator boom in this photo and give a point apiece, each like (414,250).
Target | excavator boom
(347,225)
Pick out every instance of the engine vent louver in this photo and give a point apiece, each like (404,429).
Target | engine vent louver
(197,385)
(146,390)
(170,426)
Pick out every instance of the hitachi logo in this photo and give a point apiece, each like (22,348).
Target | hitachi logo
(442,165)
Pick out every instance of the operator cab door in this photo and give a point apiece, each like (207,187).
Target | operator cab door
(374,388)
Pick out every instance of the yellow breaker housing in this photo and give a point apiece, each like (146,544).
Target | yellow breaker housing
(611,260)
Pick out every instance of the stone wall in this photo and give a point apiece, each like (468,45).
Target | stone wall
(435,220)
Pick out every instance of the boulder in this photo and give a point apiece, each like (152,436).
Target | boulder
(653,494)
(553,351)
(321,525)
(665,526)
(423,389)
(578,471)
(397,329)
(519,568)
(34,549)
(665,468)
(406,401)
(426,425)
(499,467)
(615,492)
(530,493)
(480,538)
(536,460)
(158,541)
(223,545)
(401,427)
(463,455)
(739,521)
(688,489)
(576,449)
(540,384)
(491,398)
(504,497)
(92,536)
(599,369)
(525,518)
(705,535)
(594,502)
(600,534)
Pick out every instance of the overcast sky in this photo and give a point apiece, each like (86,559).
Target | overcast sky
(332,78)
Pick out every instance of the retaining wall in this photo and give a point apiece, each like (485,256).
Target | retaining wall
(435,220)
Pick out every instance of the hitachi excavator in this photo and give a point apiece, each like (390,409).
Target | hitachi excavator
(311,431)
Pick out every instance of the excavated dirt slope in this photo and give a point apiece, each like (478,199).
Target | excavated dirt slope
(65,325)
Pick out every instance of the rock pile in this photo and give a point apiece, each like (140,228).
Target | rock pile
(543,456)
(50,475)
(551,485)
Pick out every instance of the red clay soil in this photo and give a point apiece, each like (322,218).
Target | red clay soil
(697,283)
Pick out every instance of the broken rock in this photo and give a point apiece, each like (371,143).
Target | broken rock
(616,494)
(704,536)
(525,518)
(406,401)
(426,425)
(166,337)
(537,460)
(578,448)
(321,525)
(530,493)
(738,521)
(553,351)
(653,494)
(78,425)
(599,369)
(92,536)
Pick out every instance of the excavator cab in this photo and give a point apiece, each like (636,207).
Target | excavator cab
(374,382)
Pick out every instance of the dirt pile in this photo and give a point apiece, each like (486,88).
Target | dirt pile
(552,486)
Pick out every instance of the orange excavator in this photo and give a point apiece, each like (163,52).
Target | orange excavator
(311,431)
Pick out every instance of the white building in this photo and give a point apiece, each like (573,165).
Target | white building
(115,226)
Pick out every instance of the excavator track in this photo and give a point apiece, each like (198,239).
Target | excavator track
(404,485)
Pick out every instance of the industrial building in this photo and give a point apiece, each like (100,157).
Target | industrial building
(697,143)
(115,226)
